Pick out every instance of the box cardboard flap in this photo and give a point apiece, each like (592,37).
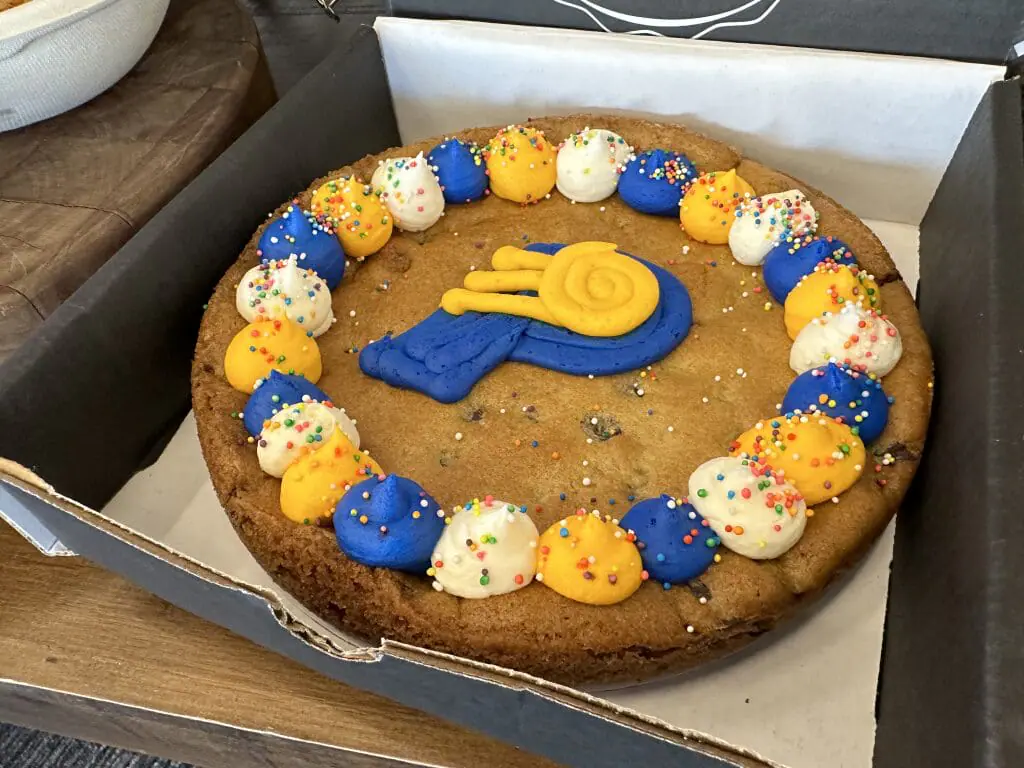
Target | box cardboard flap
(936,28)
(954,655)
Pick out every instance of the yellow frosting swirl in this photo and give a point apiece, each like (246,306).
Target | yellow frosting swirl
(312,485)
(521,164)
(708,208)
(590,559)
(588,288)
(360,220)
(270,345)
(829,288)
(816,454)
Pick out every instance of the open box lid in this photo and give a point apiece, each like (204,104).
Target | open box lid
(146,345)
(977,30)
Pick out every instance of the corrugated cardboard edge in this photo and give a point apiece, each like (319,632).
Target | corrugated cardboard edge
(580,700)
(20,477)
(27,481)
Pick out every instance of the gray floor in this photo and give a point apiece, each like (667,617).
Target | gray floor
(22,748)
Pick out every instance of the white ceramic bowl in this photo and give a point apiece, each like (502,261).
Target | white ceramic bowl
(57,54)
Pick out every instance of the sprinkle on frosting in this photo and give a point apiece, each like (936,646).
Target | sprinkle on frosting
(274,393)
(298,429)
(460,170)
(762,223)
(312,485)
(590,559)
(676,544)
(389,522)
(653,182)
(850,397)
(276,289)
(857,337)
(521,164)
(360,220)
(829,288)
(589,164)
(408,188)
(707,212)
(755,511)
(817,454)
(488,548)
(788,262)
(297,233)
(270,345)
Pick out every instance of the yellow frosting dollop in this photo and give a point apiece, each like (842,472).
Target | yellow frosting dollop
(361,222)
(521,164)
(312,485)
(816,454)
(270,345)
(708,208)
(829,288)
(590,559)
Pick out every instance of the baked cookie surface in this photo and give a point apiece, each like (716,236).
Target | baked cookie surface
(555,442)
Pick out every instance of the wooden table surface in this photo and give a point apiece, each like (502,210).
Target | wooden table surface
(87,654)
(75,188)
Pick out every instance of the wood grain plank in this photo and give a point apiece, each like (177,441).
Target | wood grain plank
(70,626)
(47,263)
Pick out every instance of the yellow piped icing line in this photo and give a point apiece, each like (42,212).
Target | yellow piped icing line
(587,287)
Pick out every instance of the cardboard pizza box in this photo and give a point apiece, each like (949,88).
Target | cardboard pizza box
(102,458)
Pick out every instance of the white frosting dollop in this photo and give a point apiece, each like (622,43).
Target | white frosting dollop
(589,164)
(298,429)
(855,336)
(764,222)
(753,514)
(283,289)
(409,189)
(486,550)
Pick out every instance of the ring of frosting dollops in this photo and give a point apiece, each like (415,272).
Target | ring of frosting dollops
(754,500)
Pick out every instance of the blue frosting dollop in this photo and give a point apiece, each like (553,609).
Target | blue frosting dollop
(675,543)
(460,170)
(298,233)
(389,523)
(850,395)
(787,262)
(653,182)
(277,391)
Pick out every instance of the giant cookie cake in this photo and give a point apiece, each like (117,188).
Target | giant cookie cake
(590,397)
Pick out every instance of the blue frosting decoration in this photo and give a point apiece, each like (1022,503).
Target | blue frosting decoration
(390,523)
(785,264)
(444,356)
(298,233)
(675,543)
(850,395)
(645,186)
(277,391)
(460,170)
